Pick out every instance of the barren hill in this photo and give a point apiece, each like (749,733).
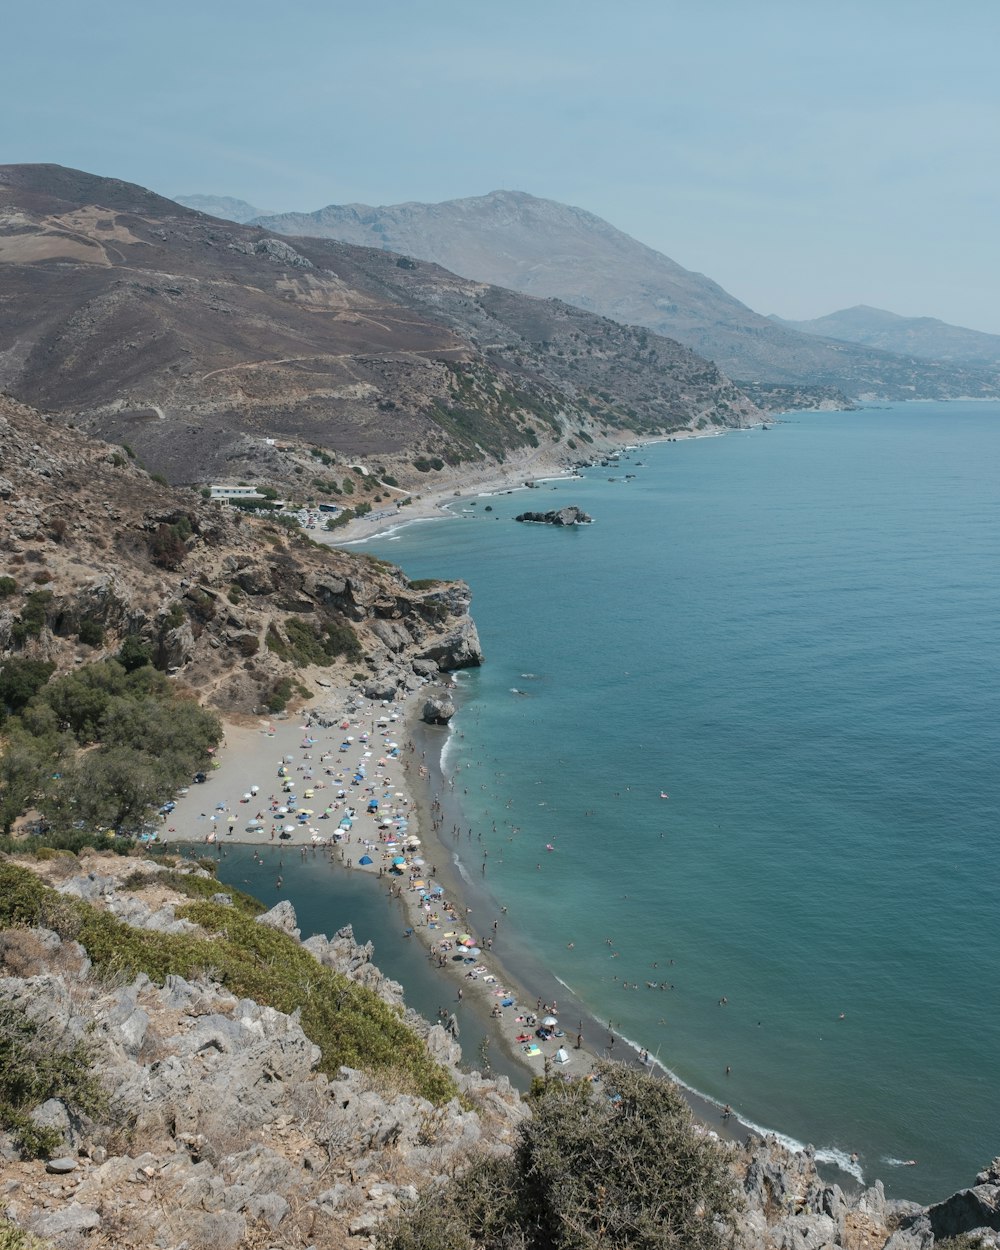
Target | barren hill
(549,249)
(196,340)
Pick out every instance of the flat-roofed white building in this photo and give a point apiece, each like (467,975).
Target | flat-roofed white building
(234,492)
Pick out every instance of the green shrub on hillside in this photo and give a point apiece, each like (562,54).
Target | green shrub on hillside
(34,1068)
(349,1023)
(620,1164)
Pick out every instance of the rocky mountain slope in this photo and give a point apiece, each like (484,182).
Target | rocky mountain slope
(925,337)
(214,1124)
(96,553)
(549,249)
(204,344)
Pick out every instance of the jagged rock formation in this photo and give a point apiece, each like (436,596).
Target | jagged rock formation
(196,341)
(559,516)
(220,1131)
(98,553)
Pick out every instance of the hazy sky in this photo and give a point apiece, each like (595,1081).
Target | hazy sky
(806,155)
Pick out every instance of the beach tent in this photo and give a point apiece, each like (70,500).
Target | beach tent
(561,1056)
(365,859)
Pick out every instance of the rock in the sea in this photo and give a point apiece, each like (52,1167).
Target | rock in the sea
(563,516)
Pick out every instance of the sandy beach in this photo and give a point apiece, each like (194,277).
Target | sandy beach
(362,791)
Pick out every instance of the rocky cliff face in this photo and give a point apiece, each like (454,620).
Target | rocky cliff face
(220,1132)
(98,554)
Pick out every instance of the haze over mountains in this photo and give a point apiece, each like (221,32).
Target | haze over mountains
(548,249)
(224,206)
(195,340)
(926,337)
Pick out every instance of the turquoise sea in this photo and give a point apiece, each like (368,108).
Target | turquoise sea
(794,633)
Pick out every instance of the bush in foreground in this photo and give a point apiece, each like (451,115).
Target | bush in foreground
(621,1164)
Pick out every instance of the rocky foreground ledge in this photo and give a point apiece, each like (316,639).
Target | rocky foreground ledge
(220,1131)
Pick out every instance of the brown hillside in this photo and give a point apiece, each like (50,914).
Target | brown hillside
(194,340)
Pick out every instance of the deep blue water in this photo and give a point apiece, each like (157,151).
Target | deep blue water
(794,633)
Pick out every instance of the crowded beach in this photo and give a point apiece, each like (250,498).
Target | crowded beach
(349,784)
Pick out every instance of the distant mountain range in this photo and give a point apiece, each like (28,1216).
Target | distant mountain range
(926,337)
(223,206)
(548,249)
(195,341)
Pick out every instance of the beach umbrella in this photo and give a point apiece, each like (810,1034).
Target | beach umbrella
(464,939)
(412,841)
(418,862)
(253,824)
(549,1022)
(289,828)
(365,859)
(473,951)
(282,811)
(419,885)
(399,860)
(246,797)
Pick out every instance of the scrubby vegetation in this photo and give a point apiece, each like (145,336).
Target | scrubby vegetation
(13,1238)
(349,1023)
(621,1164)
(33,1068)
(97,747)
(303,644)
